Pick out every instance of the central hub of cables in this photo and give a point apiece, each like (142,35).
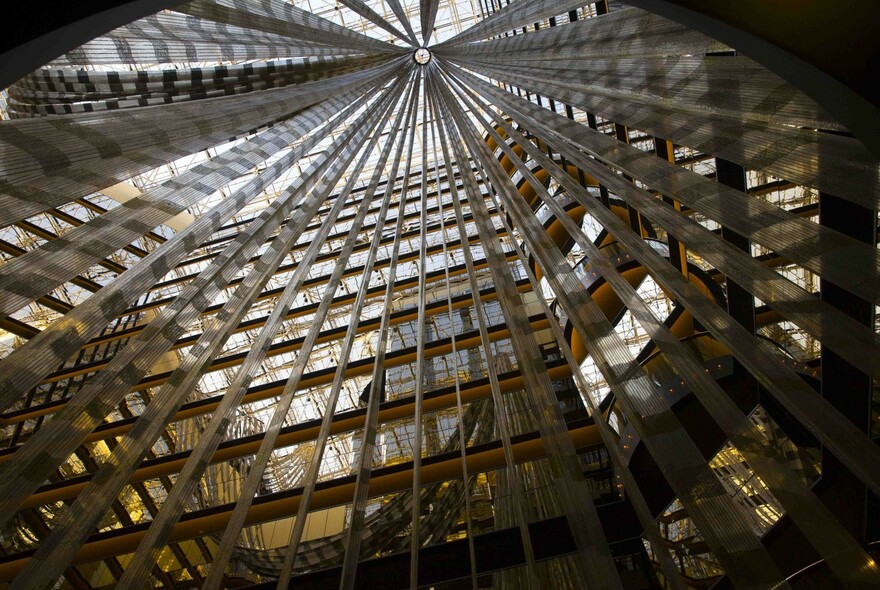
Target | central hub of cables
(422,56)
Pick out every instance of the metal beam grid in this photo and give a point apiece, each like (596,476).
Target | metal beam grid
(350,337)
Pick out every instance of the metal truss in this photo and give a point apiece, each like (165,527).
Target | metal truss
(579,298)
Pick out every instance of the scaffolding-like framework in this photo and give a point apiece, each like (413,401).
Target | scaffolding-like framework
(444,294)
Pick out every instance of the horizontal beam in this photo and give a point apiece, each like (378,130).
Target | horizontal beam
(321,377)
(304,432)
(86,368)
(388,480)
(290,267)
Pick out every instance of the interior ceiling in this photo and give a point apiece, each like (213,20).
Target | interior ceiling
(203,249)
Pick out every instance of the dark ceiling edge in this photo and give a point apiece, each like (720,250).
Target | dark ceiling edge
(44,30)
(857,112)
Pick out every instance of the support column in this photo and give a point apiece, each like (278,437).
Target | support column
(601,8)
(740,302)
(635,221)
(843,384)
(677,252)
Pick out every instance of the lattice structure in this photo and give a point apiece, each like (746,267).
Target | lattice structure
(398,293)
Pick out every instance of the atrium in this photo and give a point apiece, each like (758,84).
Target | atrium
(451,294)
